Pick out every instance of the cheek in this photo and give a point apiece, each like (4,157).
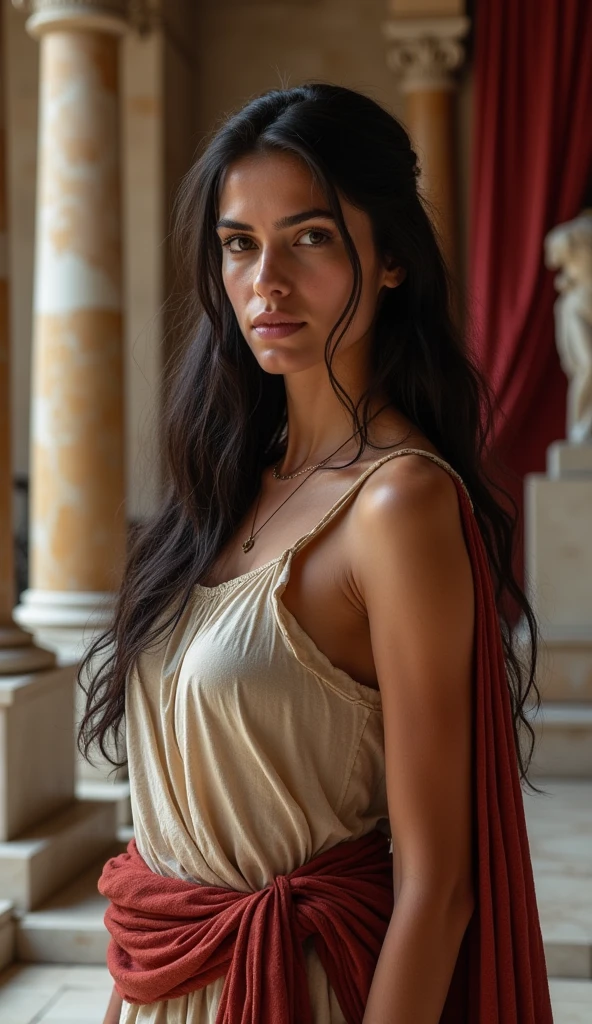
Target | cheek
(239,288)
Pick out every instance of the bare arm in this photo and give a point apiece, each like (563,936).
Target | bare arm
(114,1009)
(412,571)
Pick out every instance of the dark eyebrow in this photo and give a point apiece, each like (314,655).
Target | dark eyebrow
(279,225)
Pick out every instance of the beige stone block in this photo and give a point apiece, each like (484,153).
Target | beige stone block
(69,927)
(565,671)
(566,460)
(558,519)
(563,740)
(44,858)
(118,792)
(36,761)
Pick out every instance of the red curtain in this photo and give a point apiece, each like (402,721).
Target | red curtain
(532,155)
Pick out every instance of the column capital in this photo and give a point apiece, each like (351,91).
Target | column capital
(111,16)
(426,52)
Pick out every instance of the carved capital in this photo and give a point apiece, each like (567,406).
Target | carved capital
(425,52)
(48,15)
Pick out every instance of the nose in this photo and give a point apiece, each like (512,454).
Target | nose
(270,277)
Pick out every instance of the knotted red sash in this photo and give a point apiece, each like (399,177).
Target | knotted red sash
(170,937)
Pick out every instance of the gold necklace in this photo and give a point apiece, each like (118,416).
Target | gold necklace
(248,543)
(290,476)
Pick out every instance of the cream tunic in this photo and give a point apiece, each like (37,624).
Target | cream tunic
(249,753)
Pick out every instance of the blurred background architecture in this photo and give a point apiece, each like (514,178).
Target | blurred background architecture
(104,104)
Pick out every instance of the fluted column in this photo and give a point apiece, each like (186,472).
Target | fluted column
(425,53)
(77,514)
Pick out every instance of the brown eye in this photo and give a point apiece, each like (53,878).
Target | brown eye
(324,236)
(235,238)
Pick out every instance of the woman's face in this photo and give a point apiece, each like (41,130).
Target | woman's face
(283,257)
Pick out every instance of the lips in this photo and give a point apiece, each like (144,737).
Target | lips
(275,318)
(279,329)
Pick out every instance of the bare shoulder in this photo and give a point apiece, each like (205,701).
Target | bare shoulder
(407,487)
(406,520)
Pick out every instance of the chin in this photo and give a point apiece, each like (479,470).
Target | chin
(272,361)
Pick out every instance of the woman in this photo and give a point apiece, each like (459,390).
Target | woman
(296,642)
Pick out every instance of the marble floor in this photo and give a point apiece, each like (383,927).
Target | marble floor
(79,995)
(32,994)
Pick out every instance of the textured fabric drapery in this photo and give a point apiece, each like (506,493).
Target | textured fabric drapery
(532,154)
(169,936)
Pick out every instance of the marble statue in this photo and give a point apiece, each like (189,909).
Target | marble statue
(568,247)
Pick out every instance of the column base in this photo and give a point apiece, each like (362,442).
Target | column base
(19,654)
(65,620)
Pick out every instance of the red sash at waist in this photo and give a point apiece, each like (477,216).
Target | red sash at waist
(170,937)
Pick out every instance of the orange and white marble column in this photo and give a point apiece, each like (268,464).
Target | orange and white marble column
(425,53)
(36,707)
(77,512)
(18,653)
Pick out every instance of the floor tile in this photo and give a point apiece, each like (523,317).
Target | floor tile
(77,1006)
(571,1001)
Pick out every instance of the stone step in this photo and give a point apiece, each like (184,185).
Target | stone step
(118,792)
(564,664)
(46,857)
(560,835)
(563,747)
(68,928)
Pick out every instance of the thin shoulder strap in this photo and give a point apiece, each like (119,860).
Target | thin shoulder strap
(357,483)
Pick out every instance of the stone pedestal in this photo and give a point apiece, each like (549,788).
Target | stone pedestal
(36,762)
(558,520)
(558,560)
(47,837)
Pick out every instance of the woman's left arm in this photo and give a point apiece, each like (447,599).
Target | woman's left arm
(411,569)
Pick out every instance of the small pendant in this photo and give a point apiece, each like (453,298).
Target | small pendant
(248,544)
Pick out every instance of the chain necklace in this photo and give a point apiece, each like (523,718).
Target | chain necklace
(248,543)
(290,476)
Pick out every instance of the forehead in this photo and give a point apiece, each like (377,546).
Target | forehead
(267,182)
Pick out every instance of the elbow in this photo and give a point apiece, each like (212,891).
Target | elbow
(460,899)
(453,901)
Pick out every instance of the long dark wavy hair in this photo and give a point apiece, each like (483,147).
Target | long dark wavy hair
(225,418)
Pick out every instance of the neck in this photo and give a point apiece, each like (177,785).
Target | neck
(319,427)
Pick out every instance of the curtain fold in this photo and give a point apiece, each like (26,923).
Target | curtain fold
(532,156)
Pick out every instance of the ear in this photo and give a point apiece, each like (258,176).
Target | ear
(393,275)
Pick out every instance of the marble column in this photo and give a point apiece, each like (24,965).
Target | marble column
(425,53)
(46,836)
(18,653)
(77,513)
